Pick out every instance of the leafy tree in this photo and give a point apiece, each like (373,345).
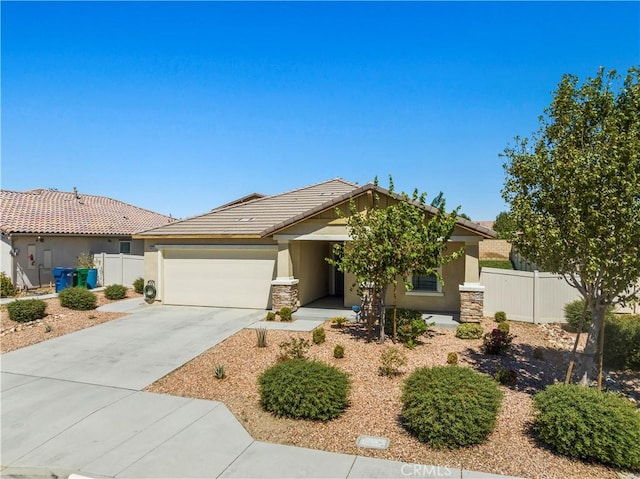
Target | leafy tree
(504,225)
(391,244)
(439,200)
(574,191)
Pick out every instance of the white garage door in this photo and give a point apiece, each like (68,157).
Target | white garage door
(235,278)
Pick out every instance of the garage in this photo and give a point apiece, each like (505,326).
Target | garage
(230,276)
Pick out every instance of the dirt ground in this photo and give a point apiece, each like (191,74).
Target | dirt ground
(537,355)
(59,321)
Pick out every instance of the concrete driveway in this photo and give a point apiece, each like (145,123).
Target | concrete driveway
(74,404)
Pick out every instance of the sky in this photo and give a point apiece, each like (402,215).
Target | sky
(179,107)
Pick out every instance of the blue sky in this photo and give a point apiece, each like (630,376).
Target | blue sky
(179,107)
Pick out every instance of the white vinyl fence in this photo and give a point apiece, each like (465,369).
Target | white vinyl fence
(532,297)
(118,268)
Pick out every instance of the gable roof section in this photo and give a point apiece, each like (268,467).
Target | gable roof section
(43,211)
(255,218)
(263,217)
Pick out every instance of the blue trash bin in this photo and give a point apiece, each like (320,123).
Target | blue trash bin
(68,276)
(92,278)
(58,277)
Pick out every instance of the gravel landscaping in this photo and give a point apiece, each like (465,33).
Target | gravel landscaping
(58,322)
(538,355)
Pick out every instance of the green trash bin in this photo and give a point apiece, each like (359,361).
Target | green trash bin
(82,277)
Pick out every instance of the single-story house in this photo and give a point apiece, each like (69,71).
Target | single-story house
(271,252)
(43,229)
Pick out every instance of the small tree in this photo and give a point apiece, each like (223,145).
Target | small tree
(574,190)
(390,244)
(504,225)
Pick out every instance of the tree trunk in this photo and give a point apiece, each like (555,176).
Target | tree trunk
(382,320)
(395,311)
(572,360)
(600,355)
(586,366)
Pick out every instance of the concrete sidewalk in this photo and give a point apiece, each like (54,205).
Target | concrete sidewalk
(74,404)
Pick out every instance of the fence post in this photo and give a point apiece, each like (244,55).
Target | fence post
(536,292)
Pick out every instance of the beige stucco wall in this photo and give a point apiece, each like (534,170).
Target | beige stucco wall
(311,268)
(449,301)
(64,253)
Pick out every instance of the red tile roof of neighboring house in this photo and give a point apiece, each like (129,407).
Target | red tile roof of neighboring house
(56,212)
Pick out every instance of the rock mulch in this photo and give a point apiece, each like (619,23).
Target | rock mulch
(58,322)
(375,400)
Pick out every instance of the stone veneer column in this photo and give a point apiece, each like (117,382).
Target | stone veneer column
(284,293)
(471,302)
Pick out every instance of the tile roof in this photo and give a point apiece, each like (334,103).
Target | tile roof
(256,217)
(43,211)
(262,217)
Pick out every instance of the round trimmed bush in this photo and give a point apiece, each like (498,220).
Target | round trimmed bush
(584,423)
(469,331)
(450,406)
(301,389)
(138,285)
(573,315)
(500,316)
(319,336)
(115,291)
(25,310)
(622,342)
(77,298)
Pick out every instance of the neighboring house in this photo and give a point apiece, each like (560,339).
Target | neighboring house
(271,252)
(43,229)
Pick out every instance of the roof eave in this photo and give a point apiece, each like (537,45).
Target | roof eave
(196,236)
(475,228)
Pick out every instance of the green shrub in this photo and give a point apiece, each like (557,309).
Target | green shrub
(622,342)
(6,286)
(319,336)
(409,325)
(219,371)
(573,314)
(25,310)
(504,327)
(304,390)
(391,360)
(450,406)
(77,298)
(500,316)
(469,331)
(115,291)
(295,348)
(496,342)
(506,376)
(496,263)
(583,423)
(452,359)
(271,316)
(138,285)
(285,314)
(338,321)
(338,351)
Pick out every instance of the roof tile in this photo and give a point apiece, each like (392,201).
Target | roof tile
(44,211)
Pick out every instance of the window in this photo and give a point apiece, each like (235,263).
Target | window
(426,284)
(125,247)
